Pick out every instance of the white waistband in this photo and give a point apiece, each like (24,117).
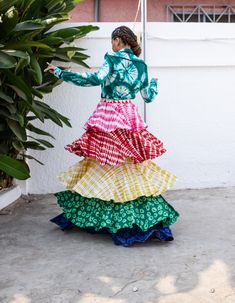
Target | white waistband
(116,100)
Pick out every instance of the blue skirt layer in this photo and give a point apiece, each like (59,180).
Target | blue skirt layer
(124,236)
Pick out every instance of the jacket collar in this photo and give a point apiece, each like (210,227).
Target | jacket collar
(126,50)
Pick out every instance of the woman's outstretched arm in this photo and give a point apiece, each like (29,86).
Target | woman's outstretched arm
(149,90)
(86,78)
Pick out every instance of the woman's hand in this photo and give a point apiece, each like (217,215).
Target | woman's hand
(50,68)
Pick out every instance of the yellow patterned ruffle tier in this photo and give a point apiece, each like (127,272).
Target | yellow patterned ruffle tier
(120,183)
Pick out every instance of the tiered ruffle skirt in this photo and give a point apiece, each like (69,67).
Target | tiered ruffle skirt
(116,188)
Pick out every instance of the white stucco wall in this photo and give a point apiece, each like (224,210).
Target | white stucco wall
(193,114)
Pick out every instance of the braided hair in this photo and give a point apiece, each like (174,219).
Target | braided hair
(128,37)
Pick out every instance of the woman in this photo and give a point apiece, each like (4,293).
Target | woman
(116,188)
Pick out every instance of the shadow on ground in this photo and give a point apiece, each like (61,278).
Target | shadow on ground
(41,264)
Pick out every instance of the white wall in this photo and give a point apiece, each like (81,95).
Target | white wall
(193,114)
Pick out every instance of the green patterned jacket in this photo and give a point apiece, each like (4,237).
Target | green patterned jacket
(121,76)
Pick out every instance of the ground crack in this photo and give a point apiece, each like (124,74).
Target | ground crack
(124,286)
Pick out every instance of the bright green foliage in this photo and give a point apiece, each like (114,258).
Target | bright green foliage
(28,40)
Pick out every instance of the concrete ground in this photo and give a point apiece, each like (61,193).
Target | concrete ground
(41,264)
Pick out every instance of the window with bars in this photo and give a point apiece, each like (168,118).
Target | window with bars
(201,13)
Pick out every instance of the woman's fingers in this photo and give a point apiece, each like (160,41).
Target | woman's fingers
(49,68)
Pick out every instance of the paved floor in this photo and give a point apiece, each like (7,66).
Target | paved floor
(41,264)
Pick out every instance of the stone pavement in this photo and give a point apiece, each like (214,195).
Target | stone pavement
(41,264)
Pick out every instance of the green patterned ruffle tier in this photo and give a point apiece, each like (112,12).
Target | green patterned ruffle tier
(92,212)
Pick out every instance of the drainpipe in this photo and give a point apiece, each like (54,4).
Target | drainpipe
(144,40)
(97,10)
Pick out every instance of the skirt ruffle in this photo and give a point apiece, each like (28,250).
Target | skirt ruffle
(128,236)
(144,212)
(124,236)
(110,116)
(114,148)
(117,183)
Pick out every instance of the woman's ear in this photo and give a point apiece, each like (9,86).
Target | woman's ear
(119,41)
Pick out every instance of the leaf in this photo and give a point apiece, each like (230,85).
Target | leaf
(33,145)
(6,97)
(43,142)
(71,33)
(11,107)
(49,87)
(30,35)
(64,119)
(66,33)
(54,20)
(28,26)
(17,130)
(50,115)
(39,131)
(4,112)
(60,7)
(35,110)
(21,119)
(37,93)
(31,9)
(79,61)
(25,44)
(31,118)
(70,55)
(36,68)
(8,20)
(16,53)
(51,4)
(70,48)
(43,104)
(48,108)
(31,157)
(77,31)
(48,55)
(18,91)
(18,145)
(52,41)
(39,106)
(6,61)
(5,5)
(21,64)
(19,83)
(34,76)
(72,4)
(15,168)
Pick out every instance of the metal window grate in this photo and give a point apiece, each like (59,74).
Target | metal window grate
(200,13)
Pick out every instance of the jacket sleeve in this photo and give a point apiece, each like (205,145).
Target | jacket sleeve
(149,90)
(86,78)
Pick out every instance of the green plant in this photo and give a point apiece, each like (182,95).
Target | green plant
(27,41)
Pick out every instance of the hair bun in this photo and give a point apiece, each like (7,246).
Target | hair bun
(128,37)
(136,49)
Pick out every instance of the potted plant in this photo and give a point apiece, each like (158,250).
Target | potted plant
(27,42)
